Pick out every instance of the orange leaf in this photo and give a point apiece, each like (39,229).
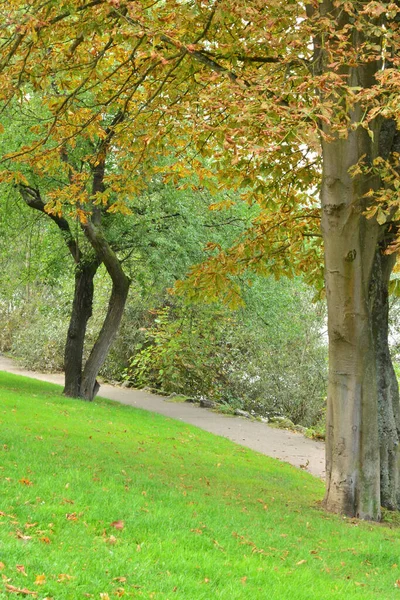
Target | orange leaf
(25,481)
(21,569)
(118,524)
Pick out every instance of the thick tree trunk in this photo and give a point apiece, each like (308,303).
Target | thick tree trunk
(352,460)
(80,314)
(387,386)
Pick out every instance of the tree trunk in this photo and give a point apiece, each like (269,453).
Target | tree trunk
(352,460)
(388,389)
(80,314)
(89,386)
(119,295)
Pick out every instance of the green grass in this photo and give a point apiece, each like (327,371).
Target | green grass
(203,518)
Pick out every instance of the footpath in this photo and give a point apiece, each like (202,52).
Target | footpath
(284,445)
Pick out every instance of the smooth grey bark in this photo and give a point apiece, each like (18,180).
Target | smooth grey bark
(352,457)
(362,408)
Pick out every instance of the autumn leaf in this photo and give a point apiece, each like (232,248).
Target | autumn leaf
(40,579)
(23,537)
(25,481)
(118,524)
(15,590)
(2,566)
(111,540)
(64,577)
(71,517)
(21,569)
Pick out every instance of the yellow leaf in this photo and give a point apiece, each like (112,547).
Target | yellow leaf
(40,579)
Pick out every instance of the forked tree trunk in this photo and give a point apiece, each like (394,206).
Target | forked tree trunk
(89,386)
(80,314)
(119,295)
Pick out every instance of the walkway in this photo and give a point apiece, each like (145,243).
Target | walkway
(288,446)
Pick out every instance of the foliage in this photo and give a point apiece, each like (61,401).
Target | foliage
(268,357)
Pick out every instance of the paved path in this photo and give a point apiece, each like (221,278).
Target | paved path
(290,447)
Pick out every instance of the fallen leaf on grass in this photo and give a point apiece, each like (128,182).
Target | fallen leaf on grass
(71,517)
(45,540)
(64,577)
(40,579)
(104,597)
(21,536)
(111,540)
(120,579)
(21,569)
(301,562)
(25,481)
(2,566)
(397,584)
(15,590)
(118,524)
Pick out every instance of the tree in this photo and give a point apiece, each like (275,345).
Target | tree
(279,98)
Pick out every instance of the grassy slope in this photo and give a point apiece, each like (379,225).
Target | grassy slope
(203,517)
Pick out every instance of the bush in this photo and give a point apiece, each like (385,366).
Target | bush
(266,363)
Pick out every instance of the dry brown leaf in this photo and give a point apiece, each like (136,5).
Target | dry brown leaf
(21,536)
(2,566)
(301,562)
(71,516)
(118,524)
(21,569)
(64,577)
(15,590)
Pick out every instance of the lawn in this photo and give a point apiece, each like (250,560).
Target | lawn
(103,501)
